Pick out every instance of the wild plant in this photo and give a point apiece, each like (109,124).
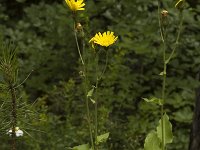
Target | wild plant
(158,140)
(100,47)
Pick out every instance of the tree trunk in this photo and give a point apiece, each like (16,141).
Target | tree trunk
(195,131)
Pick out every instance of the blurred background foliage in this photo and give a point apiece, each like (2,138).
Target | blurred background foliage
(43,32)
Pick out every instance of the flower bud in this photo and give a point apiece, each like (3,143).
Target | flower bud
(164,13)
(81,73)
(79,27)
(164,19)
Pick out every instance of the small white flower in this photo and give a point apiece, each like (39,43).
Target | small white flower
(18,132)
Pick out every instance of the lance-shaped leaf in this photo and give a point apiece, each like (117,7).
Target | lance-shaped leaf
(152,142)
(162,73)
(154,100)
(81,147)
(102,138)
(90,93)
(167,130)
(92,100)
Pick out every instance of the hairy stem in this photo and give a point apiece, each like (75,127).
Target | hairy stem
(89,122)
(165,62)
(164,75)
(77,44)
(105,67)
(163,96)
(96,117)
(85,86)
(96,102)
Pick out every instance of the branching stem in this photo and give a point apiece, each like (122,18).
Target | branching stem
(85,86)
(177,38)
(165,62)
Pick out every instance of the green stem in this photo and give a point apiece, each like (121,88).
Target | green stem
(77,44)
(87,105)
(164,75)
(163,96)
(89,122)
(96,118)
(96,102)
(105,67)
(159,21)
(85,87)
(178,36)
(98,77)
(165,62)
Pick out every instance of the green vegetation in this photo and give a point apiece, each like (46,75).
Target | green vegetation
(49,75)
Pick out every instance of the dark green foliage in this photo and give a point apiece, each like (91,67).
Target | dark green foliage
(43,32)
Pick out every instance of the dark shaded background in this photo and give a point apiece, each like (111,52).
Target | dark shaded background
(42,30)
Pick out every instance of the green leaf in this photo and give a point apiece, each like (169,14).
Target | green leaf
(167,130)
(184,115)
(81,147)
(154,100)
(162,73)
(90,93)
(92,100)
(152,142)
(102,138)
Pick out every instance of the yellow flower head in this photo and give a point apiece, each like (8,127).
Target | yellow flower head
(105,39)
(75,5)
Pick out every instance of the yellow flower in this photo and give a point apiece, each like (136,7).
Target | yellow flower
(104,39)
(75,5)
